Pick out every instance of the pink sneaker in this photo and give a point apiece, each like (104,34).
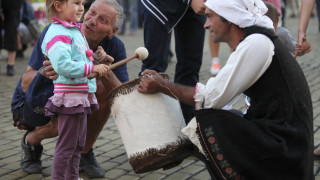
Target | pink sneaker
(215,66)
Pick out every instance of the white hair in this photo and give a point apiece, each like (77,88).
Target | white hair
(119,11)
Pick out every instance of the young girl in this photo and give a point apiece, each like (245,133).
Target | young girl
(73,98)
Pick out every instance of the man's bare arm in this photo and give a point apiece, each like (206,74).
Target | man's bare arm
(152,82)
(182,93)
(110,80)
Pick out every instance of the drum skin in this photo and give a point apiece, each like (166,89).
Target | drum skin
(150,127)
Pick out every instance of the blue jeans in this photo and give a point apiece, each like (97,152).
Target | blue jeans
(189,39)
(130,7)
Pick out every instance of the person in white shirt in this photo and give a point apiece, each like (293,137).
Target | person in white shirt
(274,139)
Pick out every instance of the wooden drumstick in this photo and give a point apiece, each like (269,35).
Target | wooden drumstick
(141,53)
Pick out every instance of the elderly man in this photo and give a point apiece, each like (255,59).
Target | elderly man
(274,139)
(100,23)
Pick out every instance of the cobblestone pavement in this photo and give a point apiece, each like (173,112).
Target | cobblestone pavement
(109,148)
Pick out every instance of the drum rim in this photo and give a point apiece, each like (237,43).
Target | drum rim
(165,155)
(127,88)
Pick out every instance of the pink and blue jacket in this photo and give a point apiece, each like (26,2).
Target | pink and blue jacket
(70,56)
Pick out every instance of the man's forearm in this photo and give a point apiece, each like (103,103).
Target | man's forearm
(305,13)
(182,93)
(110,80)
(151,82)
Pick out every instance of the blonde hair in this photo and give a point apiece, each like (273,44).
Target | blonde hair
(50,9)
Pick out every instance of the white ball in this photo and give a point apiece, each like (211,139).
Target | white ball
(142,53)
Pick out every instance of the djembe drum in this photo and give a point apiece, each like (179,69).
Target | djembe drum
(150,127)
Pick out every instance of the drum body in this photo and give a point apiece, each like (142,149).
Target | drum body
(150,127)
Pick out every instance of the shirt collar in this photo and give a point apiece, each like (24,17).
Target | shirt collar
(55,20)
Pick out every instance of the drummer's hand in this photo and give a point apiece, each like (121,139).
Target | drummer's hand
(150,82)
(101,69)
(103,57)
(48,71)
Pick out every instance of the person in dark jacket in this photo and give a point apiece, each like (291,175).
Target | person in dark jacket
(184,18)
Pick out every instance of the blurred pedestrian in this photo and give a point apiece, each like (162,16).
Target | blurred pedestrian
(9,23)
(27,21)
(215,61)
(130,8)
(303,46)
(282,32)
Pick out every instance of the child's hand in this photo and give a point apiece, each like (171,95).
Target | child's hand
(103,57)
(101,69)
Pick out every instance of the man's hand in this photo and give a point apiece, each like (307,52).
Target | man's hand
(151,82)
(102,57)
(48,71)
(198,6)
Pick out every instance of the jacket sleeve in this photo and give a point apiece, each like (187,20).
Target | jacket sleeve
(58,50)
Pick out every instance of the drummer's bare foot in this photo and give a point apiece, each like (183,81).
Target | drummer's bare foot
(90,166)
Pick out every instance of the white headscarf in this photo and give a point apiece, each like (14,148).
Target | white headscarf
(243,13)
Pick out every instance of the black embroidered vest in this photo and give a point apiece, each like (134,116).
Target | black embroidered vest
(274,140)
(281,105)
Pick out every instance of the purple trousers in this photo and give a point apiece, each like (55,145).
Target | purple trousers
(72,137)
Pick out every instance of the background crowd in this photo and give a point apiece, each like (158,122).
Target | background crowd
(27,19)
